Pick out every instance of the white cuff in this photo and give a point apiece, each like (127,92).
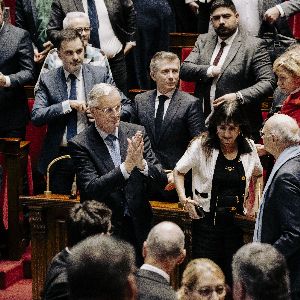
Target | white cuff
(209,71)
(189,1)
(123,171)
(8,83)
(146,169)
(66,107)
(280,10)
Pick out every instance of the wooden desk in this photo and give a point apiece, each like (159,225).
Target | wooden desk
(48,232)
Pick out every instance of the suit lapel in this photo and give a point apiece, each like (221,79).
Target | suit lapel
(87,80)
(99,147)
(4,38)
(236,44)
(170,113)
(209,48)
(60,84)
(150,112)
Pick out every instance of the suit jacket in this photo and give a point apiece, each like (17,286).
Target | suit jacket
(121,14)
(183,121)
(48,109)
(16,61)
(26,18)
(290,7)
(56,282)
(152,286)
(281,217)
(247,69)
(99,179)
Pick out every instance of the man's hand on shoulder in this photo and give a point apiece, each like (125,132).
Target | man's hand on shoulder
(227,97)
(272,14)
(79,106)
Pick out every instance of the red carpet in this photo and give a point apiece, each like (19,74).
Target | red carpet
(22,290)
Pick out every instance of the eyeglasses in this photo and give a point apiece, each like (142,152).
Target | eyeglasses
(110,110)
(208,290)
(81,29)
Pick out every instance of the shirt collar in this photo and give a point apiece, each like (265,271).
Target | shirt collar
(169,94)
(1,27)
(296,91)
(156,270)
(78,74)
(230,39)
(104,134)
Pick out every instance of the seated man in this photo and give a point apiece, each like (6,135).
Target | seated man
(114,164)
(60,102)
(172,118)
(81,23)
(84,220)
(259,273)
(102,267)
(163,251)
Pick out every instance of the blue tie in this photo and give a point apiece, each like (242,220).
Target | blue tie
(93,16)
(72,116)
(115,155)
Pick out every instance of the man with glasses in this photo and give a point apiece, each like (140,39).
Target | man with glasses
(114,164)
(60,102)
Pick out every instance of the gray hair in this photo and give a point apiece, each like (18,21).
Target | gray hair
(158,57)
(285,128)
(72,15)
(165,241)
(262,271)
(99,90)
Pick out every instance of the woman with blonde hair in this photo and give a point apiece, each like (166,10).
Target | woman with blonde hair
(202,279)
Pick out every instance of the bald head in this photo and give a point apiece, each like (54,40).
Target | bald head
(165,241)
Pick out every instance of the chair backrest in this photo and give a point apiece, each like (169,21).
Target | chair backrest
(185,86)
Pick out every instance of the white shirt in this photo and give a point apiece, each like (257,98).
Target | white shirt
(81,117)
(109,43)
(156,270)
(226,49)
(166,104)
(249,15)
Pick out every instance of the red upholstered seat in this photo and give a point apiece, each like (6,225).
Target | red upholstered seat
(185,86)
(295,25)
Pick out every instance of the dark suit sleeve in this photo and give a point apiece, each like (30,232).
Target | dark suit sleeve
(191,69)
(130,17)
(20,15)
(286,193)
(24,61)
(264,77)
(195,119)
(134,114)
(56,21)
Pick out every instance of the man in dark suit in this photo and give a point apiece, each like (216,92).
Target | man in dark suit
(278,222)
(229,65)
(84,220)
(163,251)
(60,102)
(172,118)
(113,29)
(16,69)
(34,18)
(114,164)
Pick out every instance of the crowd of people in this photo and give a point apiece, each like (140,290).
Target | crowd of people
(202,150)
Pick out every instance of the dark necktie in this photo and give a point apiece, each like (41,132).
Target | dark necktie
(159,114)
(72,116)
(115,155)
(93,16)
(217,58)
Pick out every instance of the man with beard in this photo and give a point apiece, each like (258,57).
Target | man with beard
(229,65)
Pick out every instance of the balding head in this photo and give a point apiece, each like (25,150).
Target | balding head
(165,242)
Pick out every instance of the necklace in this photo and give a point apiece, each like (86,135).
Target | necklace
(229,169)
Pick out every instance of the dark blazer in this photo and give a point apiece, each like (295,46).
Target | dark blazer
(183,121)
(56,282)
(16,61)
(247,69)
(281,217)
(99,179)
(48,109)
(152,286)
(121,15)
(26,18)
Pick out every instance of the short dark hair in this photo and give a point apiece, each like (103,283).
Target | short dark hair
(67,35)
(262,271)
(99,268)
(228,112)
(86,219)
(222,3)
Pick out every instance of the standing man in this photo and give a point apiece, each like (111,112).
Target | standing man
(113,29)
(163,251)
(114,164)
(229,65)
(16,69)
(278,222)
(172,118)
(60,102)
